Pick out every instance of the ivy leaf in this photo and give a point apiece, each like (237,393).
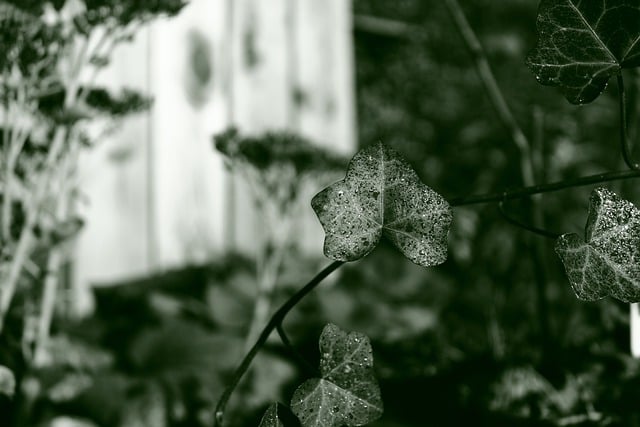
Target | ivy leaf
(382,195)
(581,44)
(607,262)
(7,382)
(278,415)
(347,392)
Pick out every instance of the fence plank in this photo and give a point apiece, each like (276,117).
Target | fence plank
(281,64)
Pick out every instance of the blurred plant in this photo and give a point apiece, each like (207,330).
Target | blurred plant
(282,170)
(382,196)
(52,52)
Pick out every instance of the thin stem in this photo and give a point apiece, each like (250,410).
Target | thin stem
(21,254)
(269,264)
(543,188)
(625,141)
(273,323)
(8,178)
(493,90)
(56,259)
(287,343)
(537,221)
(528,227)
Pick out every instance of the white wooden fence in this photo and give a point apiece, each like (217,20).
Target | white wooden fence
(157,194)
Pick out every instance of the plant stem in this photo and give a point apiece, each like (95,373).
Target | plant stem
(522,144)
(625,141)
(273,323)
(267,281)
(287,343)
(493,90)
(21,254)
(8,177)
(56,259)
(532,228)
(543,188)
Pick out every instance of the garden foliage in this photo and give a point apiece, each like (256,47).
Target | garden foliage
(493,336)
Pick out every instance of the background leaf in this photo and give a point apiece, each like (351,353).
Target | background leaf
(606,263)
(347,392)
(382,195)
(7,382)
(278,415)
(582,44)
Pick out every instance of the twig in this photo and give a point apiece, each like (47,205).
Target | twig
(275,320)
(21,254)
(56,258)
(625,141)
(543,188)
(105,37)
(492,88)
(7,137)
(387,27)
(535,155)
(296,354)
(532,228)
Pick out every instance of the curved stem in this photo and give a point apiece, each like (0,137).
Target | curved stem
(625,141)
(528,227)
(273,323)
(301,360)
(495,94)
(544,188)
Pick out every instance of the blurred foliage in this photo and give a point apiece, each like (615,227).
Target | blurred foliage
(419,92)
(460,344)
(276,150)
(280,167)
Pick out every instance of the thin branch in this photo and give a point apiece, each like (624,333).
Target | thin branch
(106,39)
(273,323)
(493,90)
(21,254)
(625,141)
(543,188)
(537,222)
(7,136)
(296,354)
(510,219)
(387,27)
(56,257)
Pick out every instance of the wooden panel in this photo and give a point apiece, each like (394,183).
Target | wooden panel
(159,194)
(113,177)
(188,176)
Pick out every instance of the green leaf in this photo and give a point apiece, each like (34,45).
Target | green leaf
(7,382)
(382,195)
(278,415)
(607,262)
(347,392)
(582,43)
(270,417)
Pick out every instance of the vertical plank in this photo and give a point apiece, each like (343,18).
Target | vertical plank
(293,64)
(114,184)
(188,176)
(325,90)
(156,189)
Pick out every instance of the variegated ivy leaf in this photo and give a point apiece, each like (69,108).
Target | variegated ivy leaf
(582,43)
(278,415)
(347,392)
(382,195)
(607,262)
